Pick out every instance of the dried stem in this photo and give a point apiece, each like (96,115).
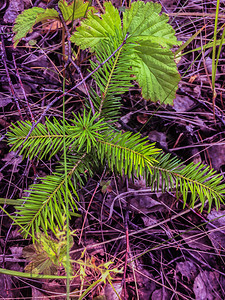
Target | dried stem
(12,91)
(70,60)
(22,88)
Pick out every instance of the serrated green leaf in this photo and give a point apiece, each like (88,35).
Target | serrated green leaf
(156,72)
(73,11)
(48,14)
(143,22)
(95,29)
(24,22)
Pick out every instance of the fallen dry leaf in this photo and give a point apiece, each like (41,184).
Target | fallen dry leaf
(110,293)
(187,269)
(196,240)
(14,9)
(217,235)
(161,294)
(14,160)
(192,78)
(182,103)
(206,285)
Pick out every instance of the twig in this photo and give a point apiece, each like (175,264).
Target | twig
(92,197)
(70,60)
(36,3)
(68,34)
(12,91)
(219,117)
(196,14)
(137,232)
(126,219)
(100,6)
(22,88)
(41,81)
(52,3)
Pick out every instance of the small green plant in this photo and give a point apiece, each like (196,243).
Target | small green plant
(136,49)
(30,17)
(146,53)
(102,271)
(47,255)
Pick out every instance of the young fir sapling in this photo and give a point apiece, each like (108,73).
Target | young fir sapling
(141,44)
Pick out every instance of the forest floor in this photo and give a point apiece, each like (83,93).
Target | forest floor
(173,253)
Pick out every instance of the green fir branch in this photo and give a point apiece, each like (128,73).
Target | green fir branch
(192,181)
(113,79)
(45,206)
(126,153)
(47,139)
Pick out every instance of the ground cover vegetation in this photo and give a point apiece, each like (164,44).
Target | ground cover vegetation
(107,85)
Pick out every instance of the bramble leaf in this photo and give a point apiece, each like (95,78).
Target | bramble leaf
(156,72)
(143,22)
(73,10)
(95,29)
(153,63)
(25,21)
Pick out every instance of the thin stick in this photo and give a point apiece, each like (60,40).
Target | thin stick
(127,253)
(22,88)
(51,3)
(70,60)
(214,58)
(12,91)
(37,2)
(85,217)
(217,114)
(196,14)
